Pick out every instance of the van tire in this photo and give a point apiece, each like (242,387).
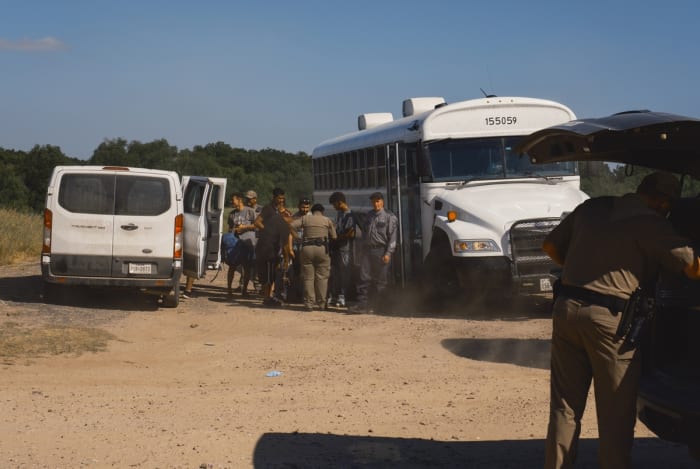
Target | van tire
(172,298)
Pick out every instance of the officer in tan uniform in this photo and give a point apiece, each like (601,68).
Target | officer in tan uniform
(316,231)
(608,247)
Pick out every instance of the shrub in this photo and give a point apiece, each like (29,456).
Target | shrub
(20,236)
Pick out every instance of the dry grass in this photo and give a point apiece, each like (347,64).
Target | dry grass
(17,341)
(20,236)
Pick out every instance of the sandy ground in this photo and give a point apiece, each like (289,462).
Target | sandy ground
(188,387)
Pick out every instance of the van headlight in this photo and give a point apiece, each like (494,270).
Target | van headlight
(475,245)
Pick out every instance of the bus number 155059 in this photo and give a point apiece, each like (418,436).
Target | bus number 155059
(501,120)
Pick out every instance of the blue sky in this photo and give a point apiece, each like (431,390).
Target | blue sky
(288,75)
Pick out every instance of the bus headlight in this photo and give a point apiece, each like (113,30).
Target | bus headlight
(475,245)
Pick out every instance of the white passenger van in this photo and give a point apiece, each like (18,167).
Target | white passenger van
(129,227)
(472,213)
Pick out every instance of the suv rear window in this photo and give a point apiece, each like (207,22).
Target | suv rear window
(108,194)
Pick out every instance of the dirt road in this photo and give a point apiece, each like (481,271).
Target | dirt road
(189,387)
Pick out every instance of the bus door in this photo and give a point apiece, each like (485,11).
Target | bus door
(404,197)
(395,193)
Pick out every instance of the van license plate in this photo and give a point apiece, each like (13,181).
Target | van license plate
(139,268)
(545,284)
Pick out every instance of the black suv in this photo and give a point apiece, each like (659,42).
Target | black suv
(669,396)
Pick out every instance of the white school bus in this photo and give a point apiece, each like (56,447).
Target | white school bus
(472,213)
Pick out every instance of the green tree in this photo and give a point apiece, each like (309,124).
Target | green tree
(111,153)
(36,168)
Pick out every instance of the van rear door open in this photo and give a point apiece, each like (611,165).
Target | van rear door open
(203,223)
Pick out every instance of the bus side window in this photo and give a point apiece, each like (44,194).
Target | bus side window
(372,168)
(381,167)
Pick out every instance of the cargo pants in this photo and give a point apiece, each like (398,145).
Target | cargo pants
(584,349)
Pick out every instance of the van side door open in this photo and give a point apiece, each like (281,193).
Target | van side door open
(203,222)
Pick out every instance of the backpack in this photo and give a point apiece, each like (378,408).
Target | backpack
(228,248)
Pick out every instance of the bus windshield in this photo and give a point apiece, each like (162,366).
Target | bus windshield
(487,158)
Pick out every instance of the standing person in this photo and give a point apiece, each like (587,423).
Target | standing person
(251,200)
(295,289)
(379,244)
(240,223)
(608,247)
(272,249)
(342,248)
(317,230)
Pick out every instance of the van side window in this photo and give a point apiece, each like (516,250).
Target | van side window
(142,196)
(87,193)
(194,194)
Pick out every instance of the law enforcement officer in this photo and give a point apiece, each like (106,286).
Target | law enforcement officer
(316,230)
(608,247)
(295,288)
(379,243)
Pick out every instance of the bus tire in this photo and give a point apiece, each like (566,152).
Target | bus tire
(440,275)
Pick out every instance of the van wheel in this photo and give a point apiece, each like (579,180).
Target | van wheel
(172,298)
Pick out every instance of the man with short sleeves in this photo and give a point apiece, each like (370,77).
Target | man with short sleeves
(608,247)
(379,243)
(240,222)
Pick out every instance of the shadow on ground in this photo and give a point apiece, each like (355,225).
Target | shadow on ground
(532,353)
(411,303)
(302,450)
(29,289)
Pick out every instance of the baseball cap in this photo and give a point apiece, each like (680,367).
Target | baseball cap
(376,195)
(251,195)
(661,183)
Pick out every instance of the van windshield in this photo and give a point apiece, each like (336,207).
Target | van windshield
(487,158)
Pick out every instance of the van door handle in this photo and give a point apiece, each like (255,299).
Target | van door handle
(130,227)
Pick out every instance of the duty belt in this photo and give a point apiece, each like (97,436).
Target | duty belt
(314,242)
(613,303)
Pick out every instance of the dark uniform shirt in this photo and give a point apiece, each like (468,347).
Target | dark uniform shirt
(612,245)
(344,223)
(273,237)
(380,230)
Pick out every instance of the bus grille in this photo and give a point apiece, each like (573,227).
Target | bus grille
(526,237)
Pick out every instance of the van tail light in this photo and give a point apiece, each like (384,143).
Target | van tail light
(177,242)
(48,220)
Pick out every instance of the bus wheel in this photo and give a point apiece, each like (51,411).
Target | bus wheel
(440,276)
